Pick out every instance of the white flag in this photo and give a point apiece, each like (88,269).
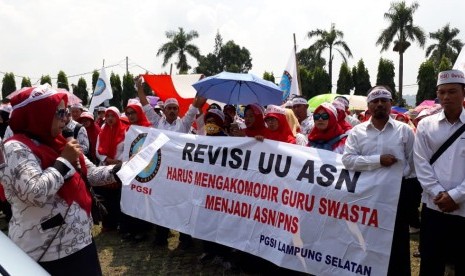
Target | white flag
(289,83)
(102,91)
(460,61)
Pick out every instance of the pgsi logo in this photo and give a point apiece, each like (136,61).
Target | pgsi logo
(151,170)
(100,86)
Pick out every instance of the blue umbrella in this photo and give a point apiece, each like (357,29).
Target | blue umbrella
(237,88)
(399,109)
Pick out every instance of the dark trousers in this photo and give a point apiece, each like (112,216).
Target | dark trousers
(414,190)
(112,198)
(83,262)
(442,240)
(399,262)
(133,225)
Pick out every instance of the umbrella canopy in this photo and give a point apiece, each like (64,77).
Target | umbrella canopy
(72,99)
(399,109)
(357,102)
(319,99)
(238,88)
(426,104)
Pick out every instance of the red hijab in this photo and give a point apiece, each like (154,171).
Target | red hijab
(92,131)
(258,127)
(110,137)
(32,118)
(334,128)
(284,132)
(141,118)
(341,116)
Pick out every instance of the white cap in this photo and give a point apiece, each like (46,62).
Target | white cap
(87,115)
(134,102)
(451,76)
(274,109)
(78,106)
(171,101)
(377,93)
(217,112)
(101,108)
(330,107)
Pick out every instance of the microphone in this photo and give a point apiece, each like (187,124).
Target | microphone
(69,135)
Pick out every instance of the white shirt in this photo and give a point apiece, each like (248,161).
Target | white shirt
(365,145)
(82,137)
(448,172)
(181,125)
(306,125)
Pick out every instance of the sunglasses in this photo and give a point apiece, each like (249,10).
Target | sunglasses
(323,116)
(61,113)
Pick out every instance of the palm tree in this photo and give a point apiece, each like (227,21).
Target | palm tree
(401,28)
(329,40)
(447,45)
(179,43)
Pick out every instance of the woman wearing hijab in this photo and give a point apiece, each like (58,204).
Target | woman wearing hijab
(87,120)
(43,182)
(132,228)
(341,116)
(279,129)
(110,144)
(327,133)
(254,122)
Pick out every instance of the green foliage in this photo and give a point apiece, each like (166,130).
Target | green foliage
(62,80)
(129,91)
(386,74)
(8,84)
(269,76)
(46,79)
(345,82)
(228,57)
(80,90)
(310,59)
(426,79)
(361,79)
(331,40)
(306,82)
(444,65)
(95,75)
(321,83)
(447,45)
(26,82)
(117,91)
(179,44)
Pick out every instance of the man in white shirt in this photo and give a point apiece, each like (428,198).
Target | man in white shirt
(170,121)
(443,214)
(300,108)
(379,143)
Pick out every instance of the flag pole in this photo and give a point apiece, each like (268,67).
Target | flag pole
(297,66)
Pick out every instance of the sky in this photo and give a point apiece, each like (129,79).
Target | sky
(42,37)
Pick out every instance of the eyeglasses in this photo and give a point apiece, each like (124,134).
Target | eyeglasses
(130,113)
(323,116)
(61,113)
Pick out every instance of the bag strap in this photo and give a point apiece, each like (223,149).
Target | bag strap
(336,139)
(56,234)
(446,144)
(76,130)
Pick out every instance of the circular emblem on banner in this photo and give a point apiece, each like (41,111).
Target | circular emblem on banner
(149,172)
(285,85)
(100,86)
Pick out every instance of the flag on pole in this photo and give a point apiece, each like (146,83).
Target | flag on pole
(460,61)
(102,91)
(289,83)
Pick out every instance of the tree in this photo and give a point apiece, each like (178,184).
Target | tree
(209,65)
(447,45)
(426,79)
(26,82)
(444,65)
(8,84)
(95,75)
(401,28)
(129,91)
(310,59)
(386,74)
(62,81)
(321,83)
(361,78)
(235,59)
(179,44)
(306,82)
(269,76)
(330,40)
(45,79)
(80,90)
(345,82)
(117,90)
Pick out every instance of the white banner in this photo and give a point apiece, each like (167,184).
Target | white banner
(102,91)
(295,206)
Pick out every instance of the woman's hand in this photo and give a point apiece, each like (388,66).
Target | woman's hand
(71,152)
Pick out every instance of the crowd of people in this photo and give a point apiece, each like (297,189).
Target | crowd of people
(52,151)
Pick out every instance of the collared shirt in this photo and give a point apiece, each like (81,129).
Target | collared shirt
(82,137)
(448,172)
(181,125)
(365,145)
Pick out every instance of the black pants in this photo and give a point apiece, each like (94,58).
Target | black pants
(442,240)
(133,225)
(399,262)
(83,262)
(414,191)
(112,198)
